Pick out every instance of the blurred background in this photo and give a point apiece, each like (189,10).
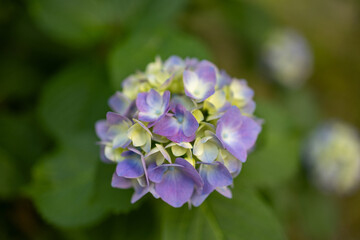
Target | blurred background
(60,60)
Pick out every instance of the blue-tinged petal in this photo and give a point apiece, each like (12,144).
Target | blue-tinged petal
(237,151)
(232,119)
(139,191)
(200,84)
(156,174)
(120,103)
(206,71)
(223,79)
(165,100)
(101,128)
(191,62)
(103,157)
(200,195)
(120,182)
(148,116)
(184,101)
(173,64)
(218,175)
(190,171)
(115,119)
(180,137)
(154,99)
(141,103)
(175,188)
(225,191)
(229,131)
(249,132)
(167,126)
(190,124)
(207,187)
(130,167)
(198,198)
(121,140)
(152,106)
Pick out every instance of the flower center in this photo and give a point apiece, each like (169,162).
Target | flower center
(180,118)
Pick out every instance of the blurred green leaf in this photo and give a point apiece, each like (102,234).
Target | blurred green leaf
(80,22)
(20,80)
(74,100)
(317,215)
(69,190)
(71,187)
(142,48)
(303,108)
(276,156)
(243,217)
(9,176)
(157,13)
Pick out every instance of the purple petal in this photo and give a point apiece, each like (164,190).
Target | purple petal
(139,192)
(180,137)
(121,140)
(120,182)
(154,99)
(218,175)
(206,71)
(141,103)
(167,126)
(119,103)
(199,85)
(156,174)
(101,128)
(225,191)
(207,187)
(102,155)
(231,119)
(176,187)
(166,99)
(130,168)
(223,79)
(190,171)
(249,108)
(249,132)
(173,64)
(238,152)
(198,198)
(229,132)
(114,118)
(190,125)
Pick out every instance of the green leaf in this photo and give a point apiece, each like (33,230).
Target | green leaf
(142,48)
(74,100)
(71,187)
(9,176)
(277,152)
(70,191)
(244,217)
(82,23)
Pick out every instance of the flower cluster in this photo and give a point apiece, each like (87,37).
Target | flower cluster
(286,58)
(332,157)
(180,130)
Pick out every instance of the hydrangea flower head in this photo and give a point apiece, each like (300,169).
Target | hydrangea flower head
(332,157)
(179,130)
(287,58)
